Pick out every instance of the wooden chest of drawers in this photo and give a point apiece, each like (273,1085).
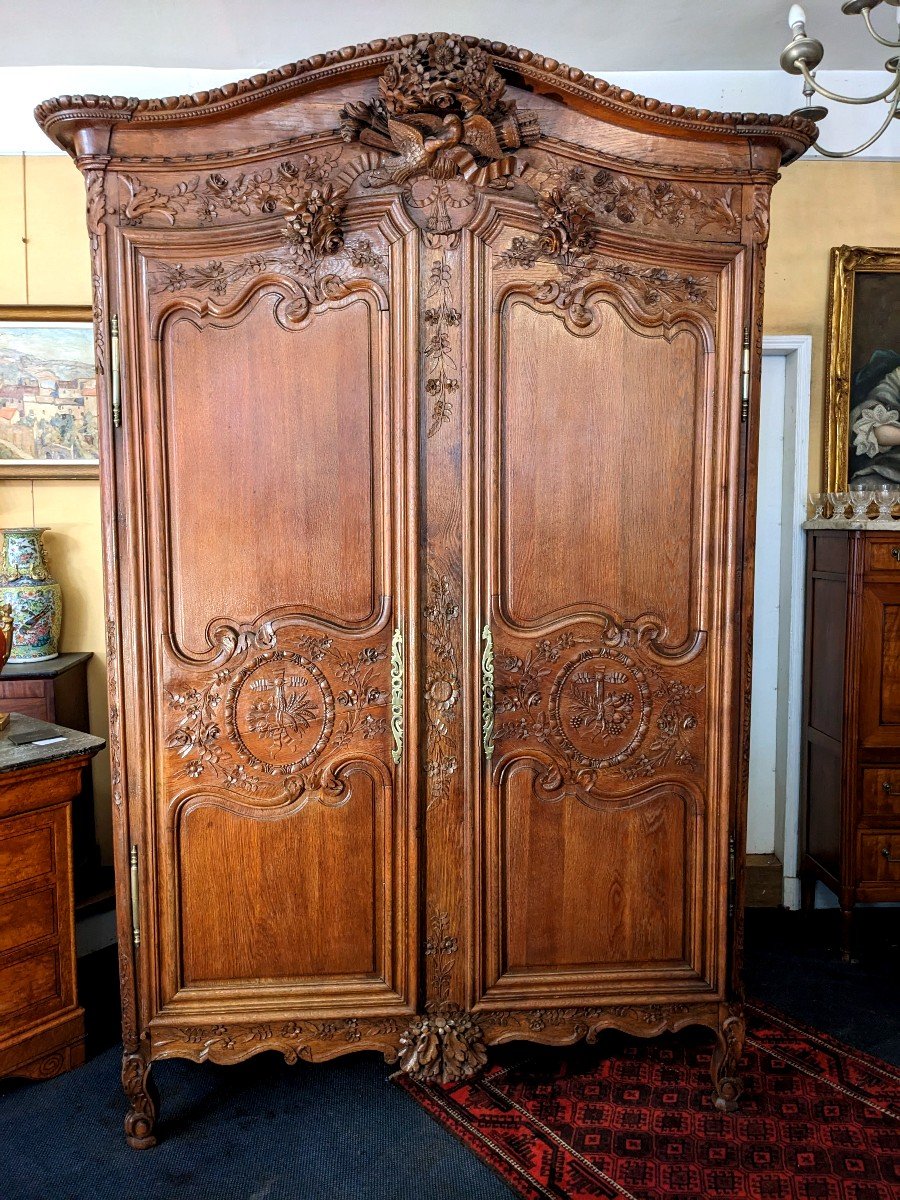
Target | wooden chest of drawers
(850,820)
(41,1024)
(56,691)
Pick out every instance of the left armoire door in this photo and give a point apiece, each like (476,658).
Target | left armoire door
(265,454)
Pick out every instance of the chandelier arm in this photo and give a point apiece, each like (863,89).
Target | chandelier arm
(866,12)
(866,144)
(823,91)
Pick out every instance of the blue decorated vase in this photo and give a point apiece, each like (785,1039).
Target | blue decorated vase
(35,598)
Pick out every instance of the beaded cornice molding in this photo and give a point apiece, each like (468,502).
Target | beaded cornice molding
(794,134)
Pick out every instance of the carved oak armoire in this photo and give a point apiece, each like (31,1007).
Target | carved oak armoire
(429,374)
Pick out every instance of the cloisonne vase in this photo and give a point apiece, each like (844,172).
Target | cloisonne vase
(34,596)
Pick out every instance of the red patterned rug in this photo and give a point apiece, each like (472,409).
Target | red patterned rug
(634,1120)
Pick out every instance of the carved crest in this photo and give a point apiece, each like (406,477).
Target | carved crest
(441,112)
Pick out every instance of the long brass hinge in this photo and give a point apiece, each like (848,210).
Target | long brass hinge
(115,370)
(745,376)
(135,899)
(732,874)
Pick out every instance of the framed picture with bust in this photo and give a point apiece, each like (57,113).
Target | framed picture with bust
(863,418)
(48,393)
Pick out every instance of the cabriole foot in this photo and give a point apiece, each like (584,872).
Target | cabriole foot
(140,1120)
(727,1085)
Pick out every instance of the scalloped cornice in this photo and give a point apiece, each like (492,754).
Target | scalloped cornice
(793,134)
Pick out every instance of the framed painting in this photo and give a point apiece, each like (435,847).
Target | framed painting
(48,393)
(862,439)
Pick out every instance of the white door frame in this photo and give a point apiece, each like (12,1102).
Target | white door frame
(796,350)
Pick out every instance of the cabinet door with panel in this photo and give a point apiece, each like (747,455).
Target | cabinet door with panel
(605,817)
(430,575)
(268,552)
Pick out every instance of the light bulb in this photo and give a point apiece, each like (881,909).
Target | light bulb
(796,16)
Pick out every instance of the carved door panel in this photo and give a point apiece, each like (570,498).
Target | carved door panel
(270,456)
(609,458)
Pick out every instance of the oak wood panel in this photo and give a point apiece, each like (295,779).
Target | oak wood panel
(611,866)
(301,402)
(292,879)
(627,439)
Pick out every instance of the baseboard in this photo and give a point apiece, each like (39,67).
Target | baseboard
(764,886)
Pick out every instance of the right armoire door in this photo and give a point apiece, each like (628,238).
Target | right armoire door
(608,445)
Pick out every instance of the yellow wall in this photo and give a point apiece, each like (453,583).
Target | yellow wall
(816,205)
(58,272)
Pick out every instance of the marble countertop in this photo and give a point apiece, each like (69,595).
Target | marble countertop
(66,743)
(877,525)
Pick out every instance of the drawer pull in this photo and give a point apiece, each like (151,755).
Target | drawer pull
(895,553)
(889,790)
(886,853)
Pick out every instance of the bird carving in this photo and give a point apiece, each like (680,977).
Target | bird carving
(425,143)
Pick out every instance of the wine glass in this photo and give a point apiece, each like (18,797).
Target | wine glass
(817,502)
(839,502)
(860,498)
(886,495)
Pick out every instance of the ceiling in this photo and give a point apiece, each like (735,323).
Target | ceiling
(597,35)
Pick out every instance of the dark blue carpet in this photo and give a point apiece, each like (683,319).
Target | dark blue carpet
(266,1131)
(257,1131)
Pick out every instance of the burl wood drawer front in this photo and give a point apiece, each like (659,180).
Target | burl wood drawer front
(881,793)
(879,681)
(882,554)
(26,851)
(27,918)
(879,857)
(29,988)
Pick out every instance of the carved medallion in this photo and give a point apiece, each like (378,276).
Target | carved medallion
(608,707)
(600,707)
(254,728)
(280,710)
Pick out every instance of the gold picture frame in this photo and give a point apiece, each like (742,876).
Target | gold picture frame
(851,333)
(13,465)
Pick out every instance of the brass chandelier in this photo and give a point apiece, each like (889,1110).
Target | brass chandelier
(803,54)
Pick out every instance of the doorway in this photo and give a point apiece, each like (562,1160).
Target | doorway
(776,698)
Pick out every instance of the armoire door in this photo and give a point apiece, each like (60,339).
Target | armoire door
(609,460)
(268,456)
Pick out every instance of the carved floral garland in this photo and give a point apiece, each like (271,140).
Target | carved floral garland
(284,188)
(442,683)
(638,201)
(440,320)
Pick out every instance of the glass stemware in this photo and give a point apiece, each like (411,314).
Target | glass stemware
(886,496)
(817,501)
(860,498)
(839,502)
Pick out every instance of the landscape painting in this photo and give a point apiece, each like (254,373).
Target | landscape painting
(48,393)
